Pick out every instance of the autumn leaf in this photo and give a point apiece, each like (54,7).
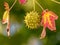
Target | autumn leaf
(48,21)
(6,20)
(6,16)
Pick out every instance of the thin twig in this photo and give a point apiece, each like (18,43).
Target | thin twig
(55,1)
(39,5)
(13,4)
(34,5)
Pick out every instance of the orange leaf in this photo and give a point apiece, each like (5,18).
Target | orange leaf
(6,5)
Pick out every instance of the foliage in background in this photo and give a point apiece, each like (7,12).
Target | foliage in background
(23,35)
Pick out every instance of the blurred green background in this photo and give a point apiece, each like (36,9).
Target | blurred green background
(20,34)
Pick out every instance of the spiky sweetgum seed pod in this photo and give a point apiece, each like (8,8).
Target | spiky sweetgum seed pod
(32,20)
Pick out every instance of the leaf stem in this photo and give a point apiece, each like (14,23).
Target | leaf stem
(39,5)
(13,4)
(55,1)
(34,5)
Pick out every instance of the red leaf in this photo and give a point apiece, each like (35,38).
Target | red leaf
(48,21)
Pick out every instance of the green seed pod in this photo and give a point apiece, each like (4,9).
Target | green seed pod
(32,20)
